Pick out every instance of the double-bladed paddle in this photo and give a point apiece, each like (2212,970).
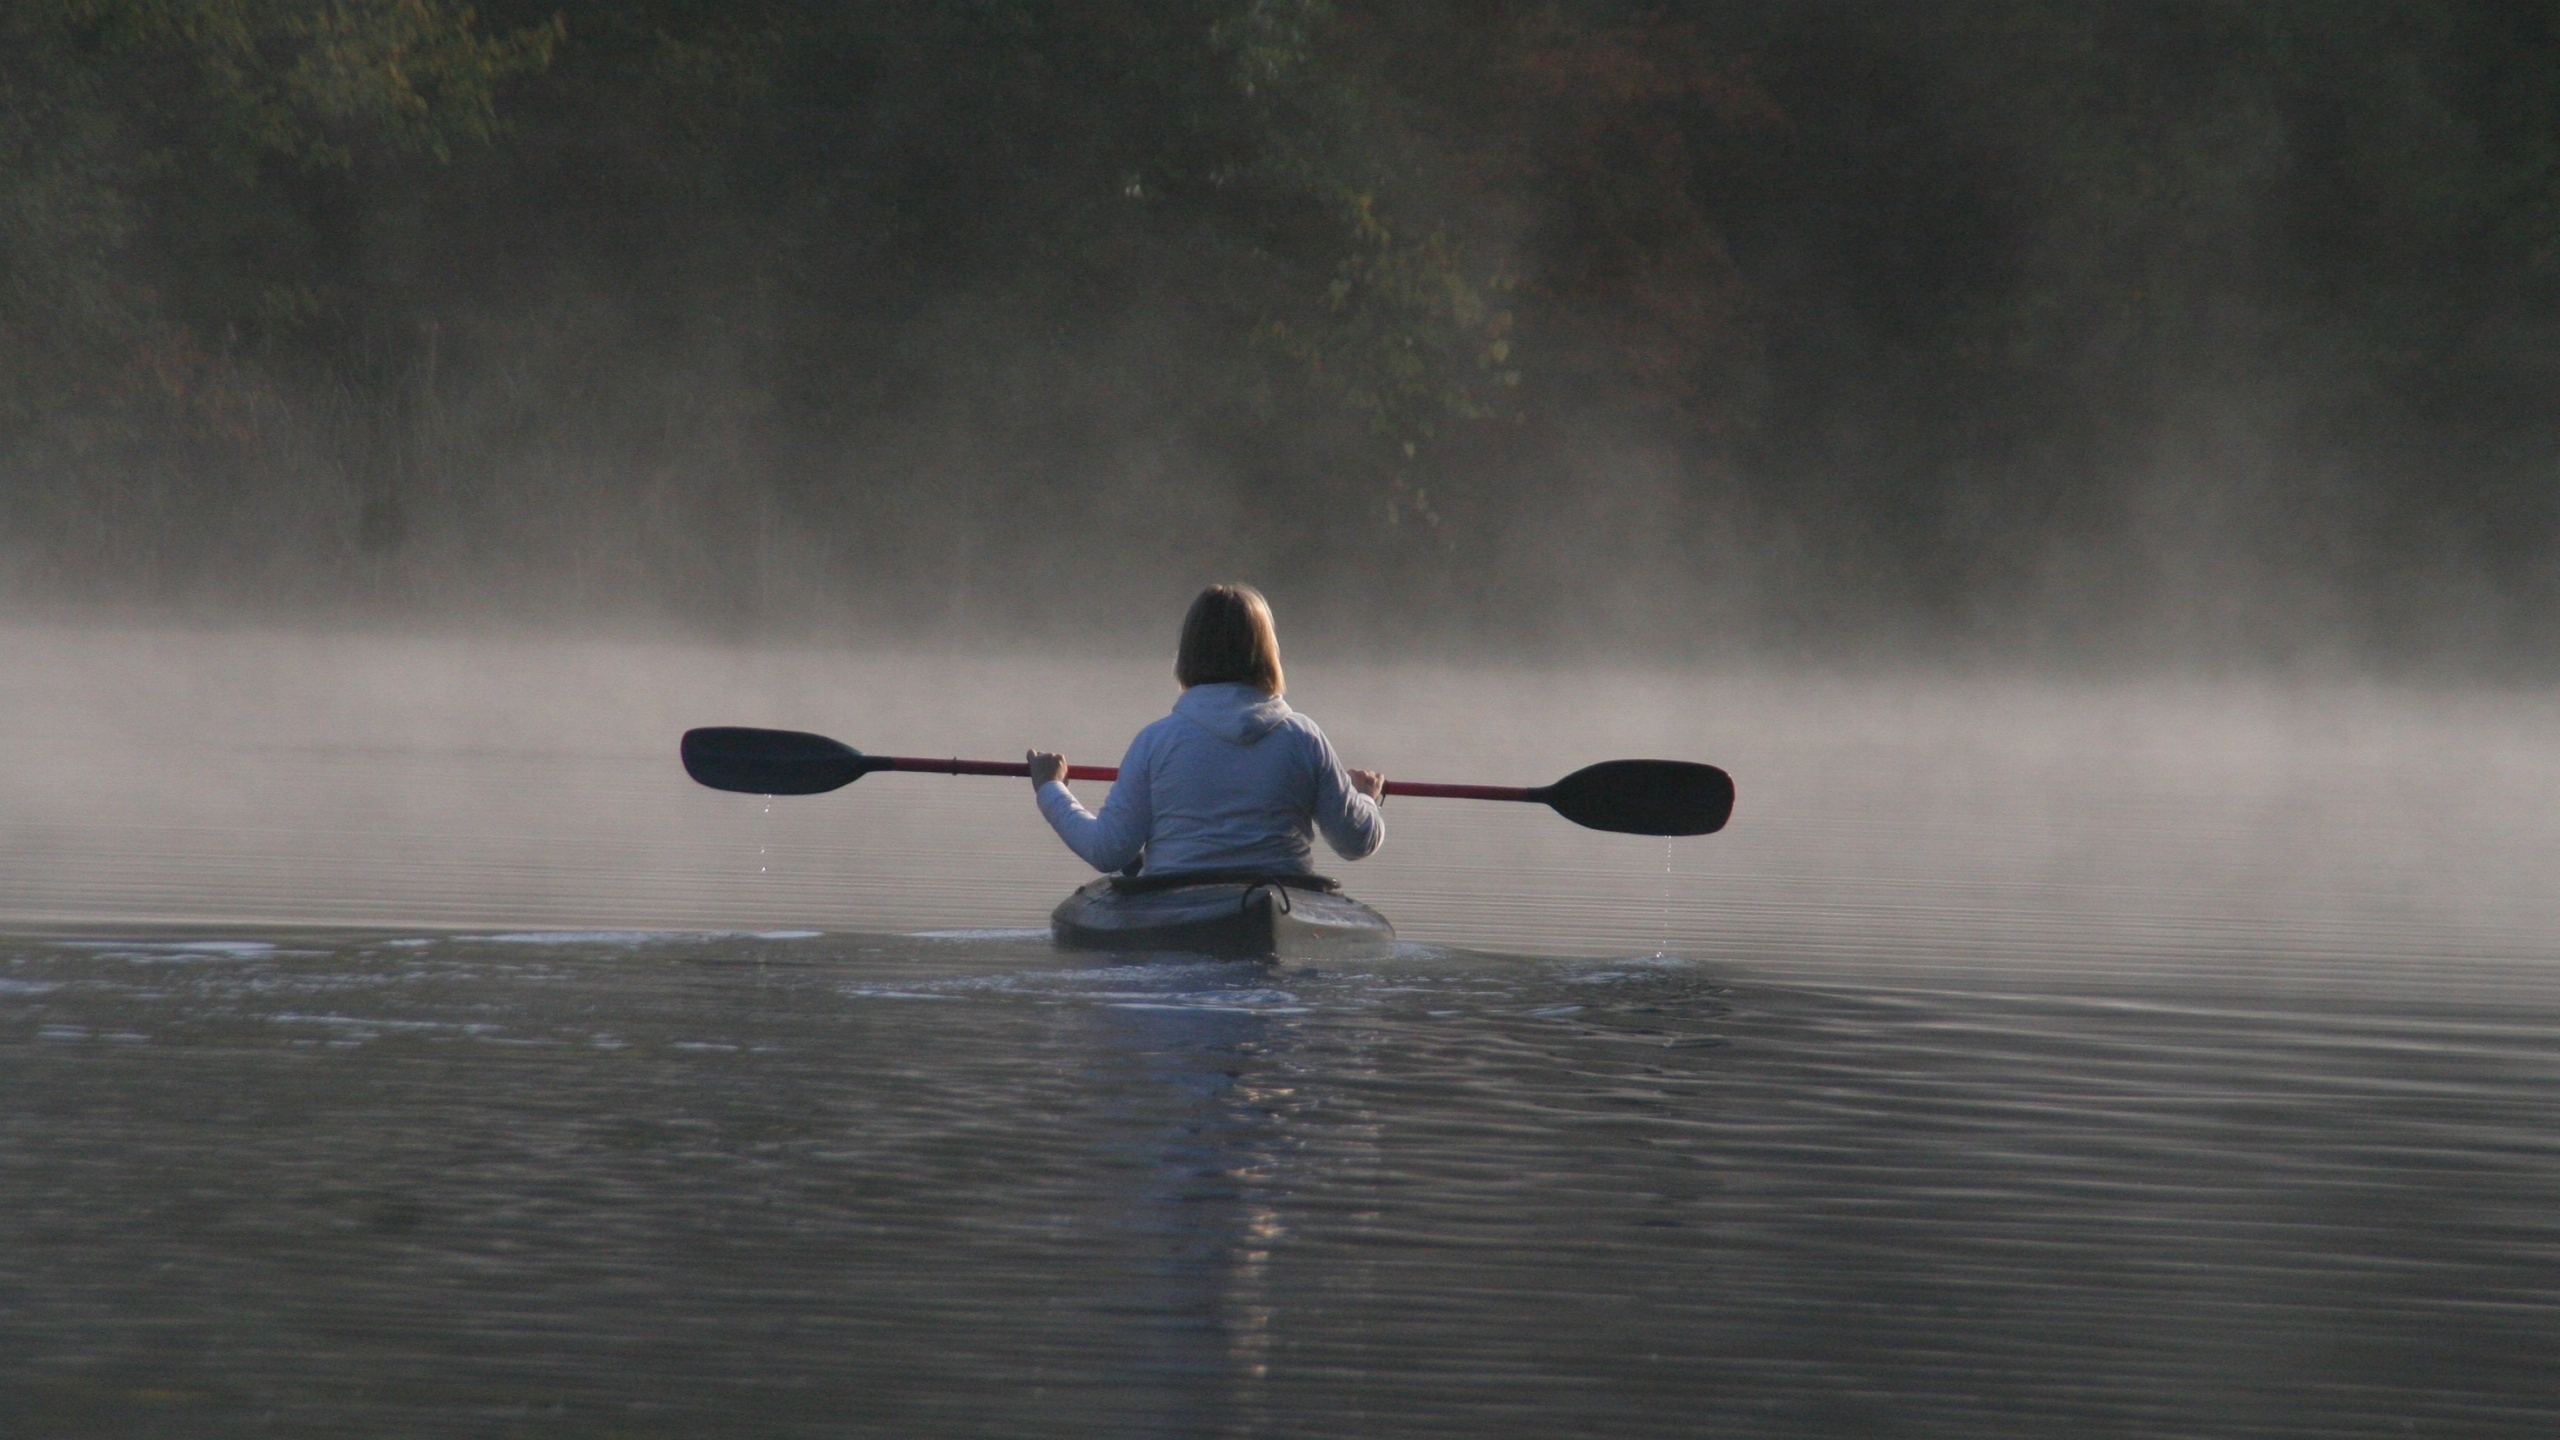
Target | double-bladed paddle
(1632,797)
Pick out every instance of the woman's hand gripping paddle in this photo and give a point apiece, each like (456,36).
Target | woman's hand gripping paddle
(1631,797)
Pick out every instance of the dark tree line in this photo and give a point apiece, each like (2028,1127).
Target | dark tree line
(1963,317)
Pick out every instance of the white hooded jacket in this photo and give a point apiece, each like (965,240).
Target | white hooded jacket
(1233,779)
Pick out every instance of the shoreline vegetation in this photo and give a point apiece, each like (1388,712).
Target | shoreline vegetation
(2020,328)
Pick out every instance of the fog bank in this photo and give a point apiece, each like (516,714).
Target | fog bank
(2328,832)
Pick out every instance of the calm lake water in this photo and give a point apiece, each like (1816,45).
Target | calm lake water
(392,1042)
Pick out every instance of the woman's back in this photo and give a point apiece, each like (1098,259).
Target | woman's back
(1233,779)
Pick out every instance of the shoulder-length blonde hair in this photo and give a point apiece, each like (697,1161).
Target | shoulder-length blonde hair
(1228,636)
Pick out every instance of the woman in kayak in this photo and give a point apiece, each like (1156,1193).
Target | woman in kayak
(1233,780)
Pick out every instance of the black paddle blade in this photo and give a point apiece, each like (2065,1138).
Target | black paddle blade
(771,762)
(1645,797)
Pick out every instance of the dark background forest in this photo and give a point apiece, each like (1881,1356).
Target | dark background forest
(2081,328)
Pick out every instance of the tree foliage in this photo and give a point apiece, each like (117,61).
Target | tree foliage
(145,143)
(1912,279)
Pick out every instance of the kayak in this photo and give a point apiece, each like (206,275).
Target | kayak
(1228,914)
(1220,913)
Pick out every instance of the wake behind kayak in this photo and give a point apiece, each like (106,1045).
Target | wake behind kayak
(1225,914)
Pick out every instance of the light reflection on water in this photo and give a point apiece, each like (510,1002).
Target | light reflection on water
(2025,1061)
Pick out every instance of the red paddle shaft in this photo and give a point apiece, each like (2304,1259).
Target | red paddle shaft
(1430,791)
(993,767)
(1111,772)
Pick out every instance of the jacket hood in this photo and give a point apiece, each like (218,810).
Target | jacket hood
(1233,711)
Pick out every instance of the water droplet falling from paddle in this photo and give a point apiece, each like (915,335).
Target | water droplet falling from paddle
(764,833)
(1663,952)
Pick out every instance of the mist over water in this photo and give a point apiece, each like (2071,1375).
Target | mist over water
(1890,820)
(395,1038)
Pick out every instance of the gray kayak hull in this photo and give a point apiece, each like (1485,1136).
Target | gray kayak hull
(1228,919)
